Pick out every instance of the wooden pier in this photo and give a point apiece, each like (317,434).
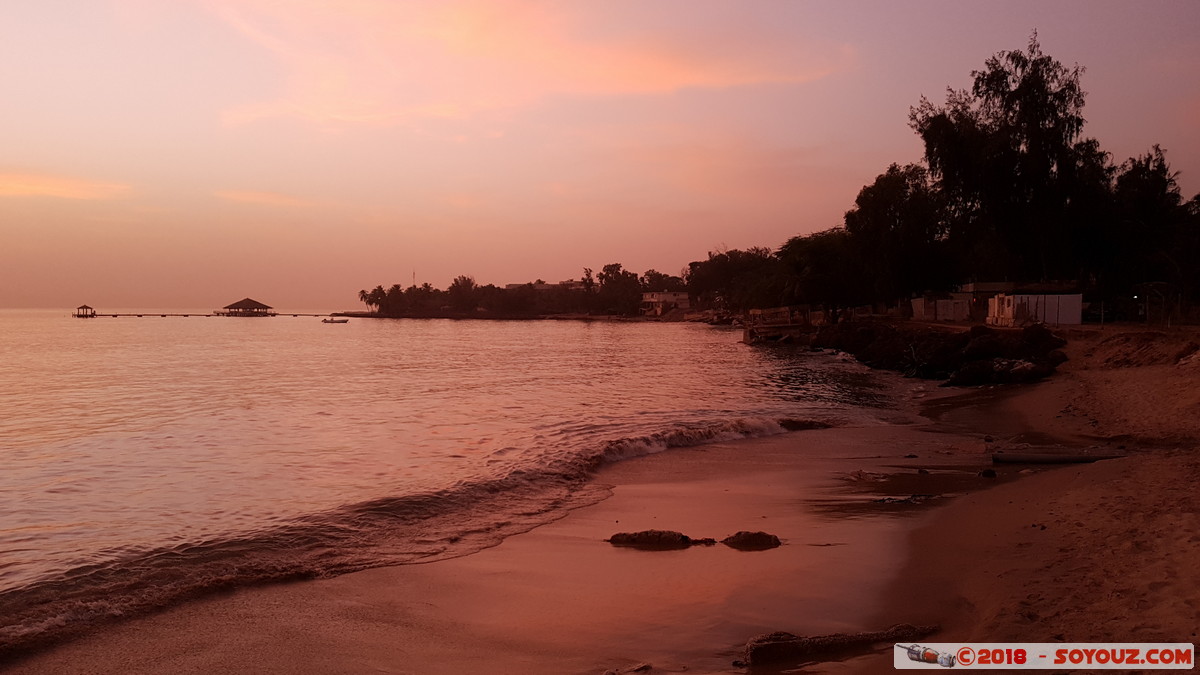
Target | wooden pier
(145,314)
(241,308)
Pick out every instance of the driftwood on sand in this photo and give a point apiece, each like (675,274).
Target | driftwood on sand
(785,647)
(1048,457)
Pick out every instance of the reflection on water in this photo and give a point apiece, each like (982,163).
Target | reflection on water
(147,441)
(789,372)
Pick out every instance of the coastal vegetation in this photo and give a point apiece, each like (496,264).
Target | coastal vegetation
(1009,189)
(613,291)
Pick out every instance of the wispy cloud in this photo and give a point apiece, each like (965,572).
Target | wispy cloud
(62,187)
(262,198)
(382,62)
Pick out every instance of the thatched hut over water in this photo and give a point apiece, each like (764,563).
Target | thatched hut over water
(246,307)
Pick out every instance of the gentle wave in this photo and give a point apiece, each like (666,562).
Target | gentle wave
(468,517)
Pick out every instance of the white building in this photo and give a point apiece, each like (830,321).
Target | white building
(1008,310)
(657,304)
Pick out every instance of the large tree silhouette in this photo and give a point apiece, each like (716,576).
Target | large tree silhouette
(1006,155)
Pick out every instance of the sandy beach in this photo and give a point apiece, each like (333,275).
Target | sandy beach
(1089,553)
(1098,552)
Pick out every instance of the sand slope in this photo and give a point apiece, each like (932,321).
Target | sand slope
(1102,552)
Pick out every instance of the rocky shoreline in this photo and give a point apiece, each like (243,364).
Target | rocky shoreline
(980,355)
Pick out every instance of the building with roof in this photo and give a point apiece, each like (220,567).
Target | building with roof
(246,307)
(660,303)
(1022,309)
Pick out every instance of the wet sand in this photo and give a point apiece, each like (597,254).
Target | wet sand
(1100,552)
(559,599)
(1103,552)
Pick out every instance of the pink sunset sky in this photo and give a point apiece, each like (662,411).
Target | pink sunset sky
(188,153)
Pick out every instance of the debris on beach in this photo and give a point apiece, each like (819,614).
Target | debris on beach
(861,475)
(751,541)
(911,499)
(782,647)
(998,371)
(639,668)
(657,540)
(1052,457)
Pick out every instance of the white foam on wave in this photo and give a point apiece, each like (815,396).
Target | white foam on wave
(468,517)
(685,436)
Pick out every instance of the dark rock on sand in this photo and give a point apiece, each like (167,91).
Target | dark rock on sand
(657,540)
(785,647)
(987,473)
(751,541)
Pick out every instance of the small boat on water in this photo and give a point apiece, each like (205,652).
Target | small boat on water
(332,320)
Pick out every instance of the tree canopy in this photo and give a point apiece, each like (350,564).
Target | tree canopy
(1009,189)
(1005,156)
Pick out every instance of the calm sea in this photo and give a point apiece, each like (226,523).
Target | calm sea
(144,461)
